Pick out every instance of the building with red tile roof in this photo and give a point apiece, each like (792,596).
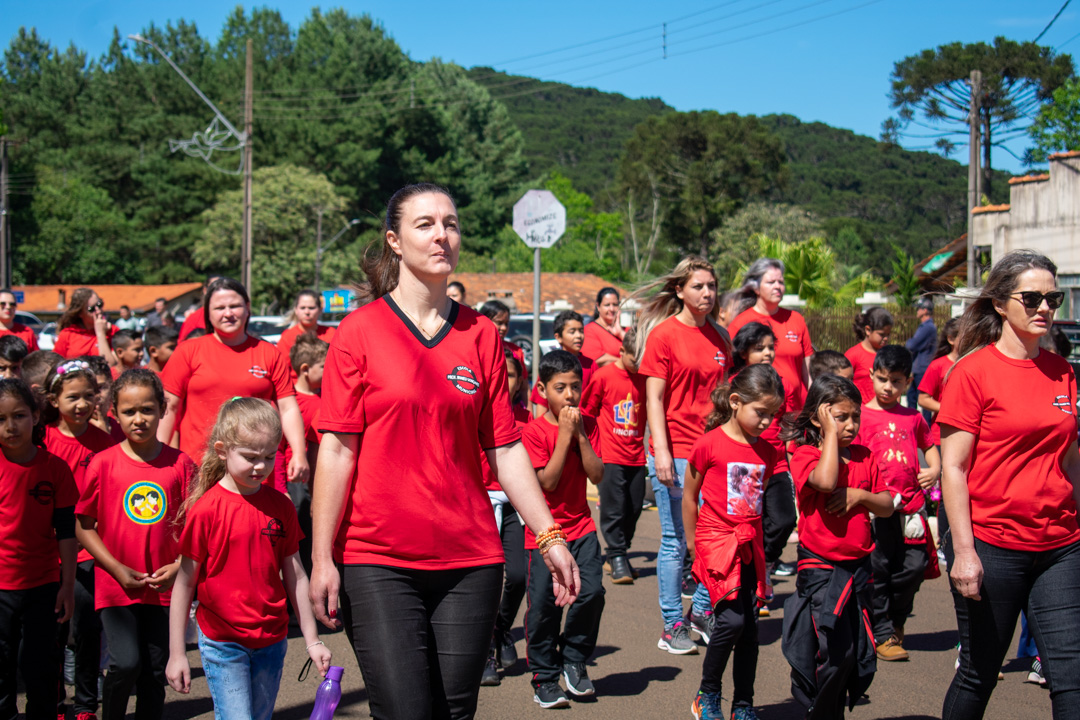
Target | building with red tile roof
(557,290)
(49,301)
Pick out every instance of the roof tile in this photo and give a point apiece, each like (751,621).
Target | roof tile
(140,298)
(578,289)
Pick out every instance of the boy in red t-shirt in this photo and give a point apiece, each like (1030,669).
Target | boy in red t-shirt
(904,546)
(307,357)
(616,398)
(569,328)
(160,341)
(561,446)
(128,348)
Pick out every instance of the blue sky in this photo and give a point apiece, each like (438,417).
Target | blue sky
(825,60)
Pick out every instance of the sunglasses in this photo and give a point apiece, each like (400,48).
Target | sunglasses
(101,303)
(1032,300)
(8,304)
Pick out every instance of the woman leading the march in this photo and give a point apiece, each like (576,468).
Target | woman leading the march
(1010,482)
(414,386)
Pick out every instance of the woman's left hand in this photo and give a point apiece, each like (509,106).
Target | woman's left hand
(298,470)
(564,574)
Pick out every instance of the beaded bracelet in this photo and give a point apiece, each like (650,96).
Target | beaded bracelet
(552,543)
(553,531)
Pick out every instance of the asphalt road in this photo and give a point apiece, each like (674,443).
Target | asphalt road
(636,680)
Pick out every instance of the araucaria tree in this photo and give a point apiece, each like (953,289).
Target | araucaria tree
(932,90)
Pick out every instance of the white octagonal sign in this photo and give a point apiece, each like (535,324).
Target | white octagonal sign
(539,218)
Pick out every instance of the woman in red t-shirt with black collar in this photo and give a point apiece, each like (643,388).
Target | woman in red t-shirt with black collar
(84,329)
(1011,481)
(414,387)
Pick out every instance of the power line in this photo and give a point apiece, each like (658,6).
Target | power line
(1052,20)
(1077,35)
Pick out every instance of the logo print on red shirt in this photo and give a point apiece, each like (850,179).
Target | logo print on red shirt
(1062,403)
(720,359)
(464,380)
(42,492)
(258,371)
(792,336)
(274,530)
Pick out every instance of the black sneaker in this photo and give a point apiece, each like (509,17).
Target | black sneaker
(689,587)
(783,569)
(550,695)
(620,571)
(577,679)
(508,656)
(491,671)
(702,624)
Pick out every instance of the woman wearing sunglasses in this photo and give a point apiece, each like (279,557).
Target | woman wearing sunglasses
(1011,481)
(84,329)
(8,326)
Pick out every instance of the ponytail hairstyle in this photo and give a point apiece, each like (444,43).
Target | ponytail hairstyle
(224,283)
(292,319)
(72,316)
(749,337)
(662,301)
(949,329)
(138,377)
(237,421)
(752,384)
(876,318)
(826,390)
(604,291)
(16,388)
(980,325)
(752,280)
(59,376)
(380,263)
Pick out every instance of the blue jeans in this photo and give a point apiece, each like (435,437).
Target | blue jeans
(669,561)
(243,682)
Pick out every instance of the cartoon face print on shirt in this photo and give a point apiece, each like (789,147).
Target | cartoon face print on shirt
(744,488)
(145,503)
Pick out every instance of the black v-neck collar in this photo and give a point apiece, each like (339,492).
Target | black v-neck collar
(443,332)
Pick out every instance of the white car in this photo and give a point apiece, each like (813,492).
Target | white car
(267,327)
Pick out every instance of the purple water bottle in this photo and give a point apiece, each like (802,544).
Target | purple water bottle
(328,695)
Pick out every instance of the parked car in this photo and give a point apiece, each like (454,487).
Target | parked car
(267,327)
(520,334)
(46,338)
(29,319)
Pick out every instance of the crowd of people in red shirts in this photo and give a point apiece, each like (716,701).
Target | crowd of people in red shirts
(140,473)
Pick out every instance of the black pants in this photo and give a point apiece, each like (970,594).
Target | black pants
(1046,585)
(778,515)
(736,629)
(86,631)
(420,637)
(300,494)
(548,648)
(28,643)
(622,491)
(516,577)
(138,638)
(898,575)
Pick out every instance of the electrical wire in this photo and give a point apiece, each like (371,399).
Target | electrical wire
(1052,21)
(1077,35)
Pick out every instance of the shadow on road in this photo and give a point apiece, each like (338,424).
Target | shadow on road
(633,683)
(303,710)
(787,710)
(932,642)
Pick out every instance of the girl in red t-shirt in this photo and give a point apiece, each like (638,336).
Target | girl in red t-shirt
(498,313)
(126,521)
(838,486)
(240,552)
(872,330)
(37,555)
(729,467)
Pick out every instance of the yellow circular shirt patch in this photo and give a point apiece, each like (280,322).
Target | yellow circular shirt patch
(145,503)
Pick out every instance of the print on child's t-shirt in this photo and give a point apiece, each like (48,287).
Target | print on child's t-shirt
(893,443)
(744,488)
(625,413)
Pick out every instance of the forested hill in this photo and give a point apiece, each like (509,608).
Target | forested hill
(885,193)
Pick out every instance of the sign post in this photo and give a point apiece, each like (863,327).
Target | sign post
(539,220)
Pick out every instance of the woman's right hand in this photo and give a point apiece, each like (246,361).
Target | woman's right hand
(966,573)
(564,574)
(323,589)
(665,468)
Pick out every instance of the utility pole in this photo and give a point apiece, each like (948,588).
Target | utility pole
(974,175)
(249,96)
(318,248)
(5,279)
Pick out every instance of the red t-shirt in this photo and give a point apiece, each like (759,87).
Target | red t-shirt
(288,338)
(568,503)
(29,494)
(309,411)
(835,537)
(206,372)
(23,333)
(192,322)
(135,504)
(691,361)
(862,363)
(425,408)
(77,453)
(1023,416)
(792,346)
(241,543)
(517,352)
(616,398)
(598,341)
(74,341)
(522,417)
(733,474)
(588,368)
(933,383)
(895,436)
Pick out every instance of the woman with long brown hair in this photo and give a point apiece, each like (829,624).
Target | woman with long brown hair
(604,335)
(1011,484)
(84,329)
(683,355)
(414,390)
